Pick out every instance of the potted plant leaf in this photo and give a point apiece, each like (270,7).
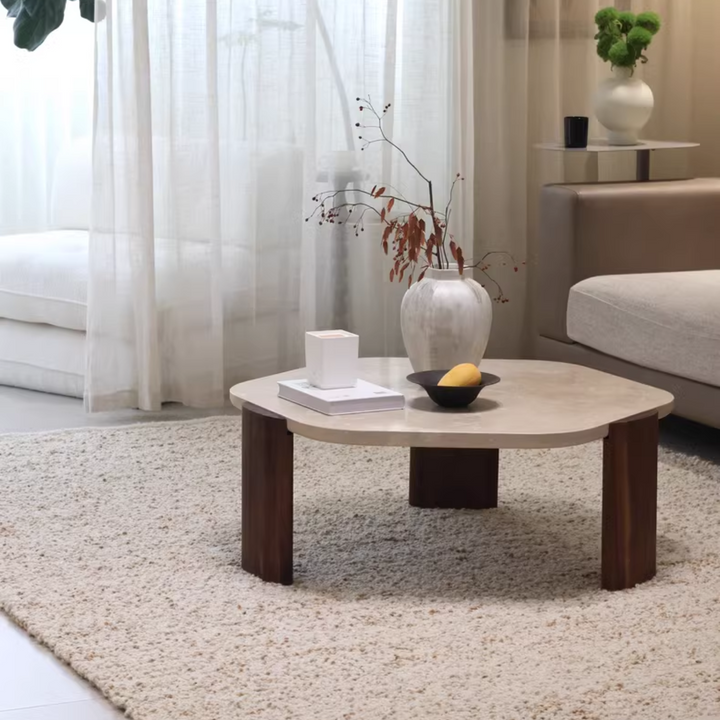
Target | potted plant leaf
(36,19)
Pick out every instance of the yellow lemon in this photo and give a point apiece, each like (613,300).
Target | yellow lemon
(464,375)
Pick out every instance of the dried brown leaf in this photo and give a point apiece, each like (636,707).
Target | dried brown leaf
(402,271)
(392,274)
(405,235)
(453,249)
(379,192)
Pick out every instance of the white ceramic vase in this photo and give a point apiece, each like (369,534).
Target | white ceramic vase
(446,320)
(623,105)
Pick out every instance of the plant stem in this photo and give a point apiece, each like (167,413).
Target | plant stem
(491,279)
(432,215)
(330,194)
(390,142)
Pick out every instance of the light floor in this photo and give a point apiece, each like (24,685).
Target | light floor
(36,686)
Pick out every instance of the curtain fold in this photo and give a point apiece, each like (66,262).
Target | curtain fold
(216,123)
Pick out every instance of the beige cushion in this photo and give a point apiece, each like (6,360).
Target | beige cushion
(663,321)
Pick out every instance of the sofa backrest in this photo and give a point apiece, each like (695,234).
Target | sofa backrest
(621,228)
(72,186)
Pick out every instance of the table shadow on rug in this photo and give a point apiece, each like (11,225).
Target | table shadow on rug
(383,547)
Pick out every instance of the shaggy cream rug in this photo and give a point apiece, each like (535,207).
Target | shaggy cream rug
(120,550)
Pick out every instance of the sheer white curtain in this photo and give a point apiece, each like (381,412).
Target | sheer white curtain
(45,103)
(216,122)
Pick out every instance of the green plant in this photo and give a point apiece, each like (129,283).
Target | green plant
(623,37)
(36,19)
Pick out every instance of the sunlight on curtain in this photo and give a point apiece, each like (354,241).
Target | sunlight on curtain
(45,102)
(217,122)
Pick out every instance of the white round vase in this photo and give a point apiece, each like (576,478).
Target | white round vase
(446,320)
(623,105)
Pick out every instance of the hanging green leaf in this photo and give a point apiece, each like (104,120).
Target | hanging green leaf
(87,9)
(36,19)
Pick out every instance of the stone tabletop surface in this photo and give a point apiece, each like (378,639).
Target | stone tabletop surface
(537,404)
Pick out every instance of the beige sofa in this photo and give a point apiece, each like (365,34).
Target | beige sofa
(629,283)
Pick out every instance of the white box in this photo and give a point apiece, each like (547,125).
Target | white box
(331,357)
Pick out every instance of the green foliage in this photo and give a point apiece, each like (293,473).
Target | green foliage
(605,42)
(606,17)
(627,22)
(650,21)
(622,37)
(36,19)
(639,38)
(621,55)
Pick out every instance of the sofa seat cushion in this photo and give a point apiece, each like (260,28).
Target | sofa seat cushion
(663,321)
(43,278)
(42,357)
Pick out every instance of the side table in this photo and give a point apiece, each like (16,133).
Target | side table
(642,149)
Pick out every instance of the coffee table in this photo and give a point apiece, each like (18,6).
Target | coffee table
(454,454)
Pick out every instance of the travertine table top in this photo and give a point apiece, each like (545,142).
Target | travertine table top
(537,404)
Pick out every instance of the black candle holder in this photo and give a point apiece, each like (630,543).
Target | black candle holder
(576,131)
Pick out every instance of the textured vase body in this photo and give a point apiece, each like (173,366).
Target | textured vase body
(623,105)
(446,320)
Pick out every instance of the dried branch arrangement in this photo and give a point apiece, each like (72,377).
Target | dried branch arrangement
(416,233)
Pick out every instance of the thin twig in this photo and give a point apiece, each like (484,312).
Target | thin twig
(447,207)
(390,142)
(501,294)
(330,194)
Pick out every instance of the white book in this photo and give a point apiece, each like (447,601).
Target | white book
(364,397)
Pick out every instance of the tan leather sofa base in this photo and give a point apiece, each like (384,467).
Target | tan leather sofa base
(616,229)
(693,400)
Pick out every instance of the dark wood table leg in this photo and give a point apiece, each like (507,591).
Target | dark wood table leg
(451,478)
(629,503)
(267,496)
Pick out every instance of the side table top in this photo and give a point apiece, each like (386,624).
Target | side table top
(537,404)
(596,145)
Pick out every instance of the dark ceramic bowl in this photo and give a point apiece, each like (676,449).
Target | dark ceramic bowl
(450,397)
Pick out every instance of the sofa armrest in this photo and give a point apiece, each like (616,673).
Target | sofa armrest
(620,228)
